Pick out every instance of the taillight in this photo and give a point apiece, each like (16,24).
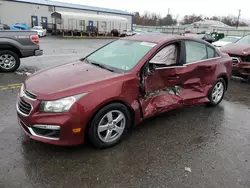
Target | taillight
(35,39)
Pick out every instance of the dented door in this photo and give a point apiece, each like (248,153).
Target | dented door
(198,77)
(162,91)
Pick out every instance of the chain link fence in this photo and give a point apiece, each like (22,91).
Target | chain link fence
(181,29)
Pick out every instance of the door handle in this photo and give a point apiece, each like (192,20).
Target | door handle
(173,77)
(208,68)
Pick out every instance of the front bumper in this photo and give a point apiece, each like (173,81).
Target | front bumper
(65,123)
(241,69)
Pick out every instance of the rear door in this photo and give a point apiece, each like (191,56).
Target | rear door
(200,61)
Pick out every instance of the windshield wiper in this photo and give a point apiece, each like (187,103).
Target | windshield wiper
(98,65)
(102,66)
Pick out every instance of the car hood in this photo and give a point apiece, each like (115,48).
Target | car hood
(66,80)
(237,49)
(220,43)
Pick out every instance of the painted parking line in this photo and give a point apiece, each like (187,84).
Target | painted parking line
(10,86)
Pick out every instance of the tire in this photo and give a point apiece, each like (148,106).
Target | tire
(98,135)
(213,100)
(11,57)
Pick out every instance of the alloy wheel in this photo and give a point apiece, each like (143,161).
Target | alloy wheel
(111,126)
(218,91)
(7,61)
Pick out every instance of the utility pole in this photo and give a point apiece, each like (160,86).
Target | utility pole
(0,13)
(168,11)
(237,25)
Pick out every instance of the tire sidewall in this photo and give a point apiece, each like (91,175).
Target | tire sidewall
(93,128)
(211,92)
(17,59)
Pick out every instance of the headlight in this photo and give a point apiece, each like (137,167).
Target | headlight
(60,105)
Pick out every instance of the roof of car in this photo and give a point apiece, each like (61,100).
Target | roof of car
(159,38)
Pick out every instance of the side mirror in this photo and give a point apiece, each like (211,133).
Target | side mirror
(151,69)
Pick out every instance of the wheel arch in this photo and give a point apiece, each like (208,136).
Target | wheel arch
(225,78)
(98,108)
(10,47)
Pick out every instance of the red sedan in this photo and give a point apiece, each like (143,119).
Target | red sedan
(119,85)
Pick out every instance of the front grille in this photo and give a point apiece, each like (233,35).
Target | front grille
(247,71)
(237,58)
(47,133)
(29,94)
(245,58)
(24,107)
(24,126)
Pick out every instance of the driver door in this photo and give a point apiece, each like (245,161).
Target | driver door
(161,80)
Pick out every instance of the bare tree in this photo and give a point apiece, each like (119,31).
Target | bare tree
(153,19)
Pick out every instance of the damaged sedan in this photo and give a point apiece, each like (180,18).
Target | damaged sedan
(114,88)
(240,54)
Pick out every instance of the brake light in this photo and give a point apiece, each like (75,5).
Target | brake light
(35,39)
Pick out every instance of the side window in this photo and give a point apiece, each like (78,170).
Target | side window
(167,56)
(195,51)
(210,52)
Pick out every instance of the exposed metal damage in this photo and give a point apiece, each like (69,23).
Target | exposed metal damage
(171,90)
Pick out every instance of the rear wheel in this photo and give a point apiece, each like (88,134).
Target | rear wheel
(9,61)
(216,94)
(109,125)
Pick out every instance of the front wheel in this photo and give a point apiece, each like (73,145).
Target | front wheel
(9,61)
(109,125)
(216,94)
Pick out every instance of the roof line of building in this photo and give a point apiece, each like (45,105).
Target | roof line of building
(73,6)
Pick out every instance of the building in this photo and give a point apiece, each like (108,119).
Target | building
(65,15)
(206,24)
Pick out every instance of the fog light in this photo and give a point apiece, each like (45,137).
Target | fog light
(76,130)
(50,127)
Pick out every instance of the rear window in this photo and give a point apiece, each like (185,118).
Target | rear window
(210,52)
(196,51)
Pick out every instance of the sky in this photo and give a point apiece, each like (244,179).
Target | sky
(177,7)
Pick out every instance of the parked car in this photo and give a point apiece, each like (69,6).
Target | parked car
(19,26)
(15,45)
(204,36)
(40,31)
(119,85)
(240,53)
(225,40)
(4,27)
(126,33)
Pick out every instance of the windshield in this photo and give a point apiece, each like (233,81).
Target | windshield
(244,40)
(121,54)
(229,39)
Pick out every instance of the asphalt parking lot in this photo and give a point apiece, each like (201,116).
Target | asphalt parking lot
(190,147)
